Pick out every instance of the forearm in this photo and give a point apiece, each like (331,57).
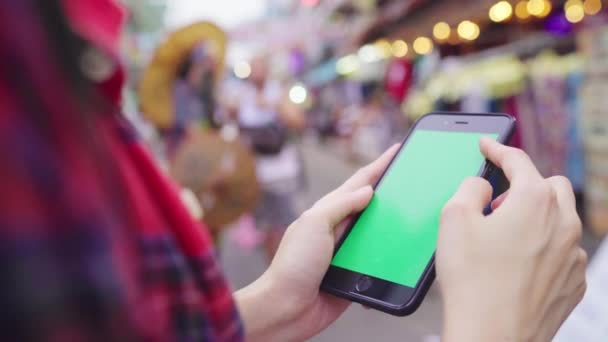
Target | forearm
(266,317)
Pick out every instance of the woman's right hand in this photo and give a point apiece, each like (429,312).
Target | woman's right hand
(514,275)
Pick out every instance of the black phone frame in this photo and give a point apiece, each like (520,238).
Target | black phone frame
(347,284)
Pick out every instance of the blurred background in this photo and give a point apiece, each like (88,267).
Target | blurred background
(258,108)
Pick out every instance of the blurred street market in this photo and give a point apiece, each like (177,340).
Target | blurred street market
(259,108)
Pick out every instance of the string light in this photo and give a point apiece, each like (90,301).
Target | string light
(383,47)
(441,31)
(592,7)
(536,7)
(399,48)
(423,45)
(242,70)
(501,11)
(546,9)
(468,30)
(521,10)
(575,12)
(369,53)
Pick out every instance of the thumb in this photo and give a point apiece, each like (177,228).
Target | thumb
(334,209)
(473,195)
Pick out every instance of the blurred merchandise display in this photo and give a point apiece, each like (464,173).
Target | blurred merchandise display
(540,92)
(354,75)
(594,117)
(540,61)
(242,109)
(238,108)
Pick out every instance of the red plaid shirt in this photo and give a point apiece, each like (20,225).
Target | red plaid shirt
(92,246)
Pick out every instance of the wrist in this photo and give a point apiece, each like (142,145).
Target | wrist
(479,323)
(266,316)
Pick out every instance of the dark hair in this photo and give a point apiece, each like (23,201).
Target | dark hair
(205,90)
(54,102)
(184,68)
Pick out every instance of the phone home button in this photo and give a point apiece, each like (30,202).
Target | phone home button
(363,284)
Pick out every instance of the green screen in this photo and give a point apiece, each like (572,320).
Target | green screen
(396,235)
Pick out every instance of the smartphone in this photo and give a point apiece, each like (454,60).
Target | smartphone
(385,259)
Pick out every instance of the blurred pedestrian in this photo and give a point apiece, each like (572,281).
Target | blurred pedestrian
(194,96)
(278,165)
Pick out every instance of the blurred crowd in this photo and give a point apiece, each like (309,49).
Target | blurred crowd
(247,125)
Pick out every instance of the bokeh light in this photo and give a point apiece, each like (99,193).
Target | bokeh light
(521,10)
(369,53)
(546,9)
(592,7)
(384,48)
(423,45)
(298,94)
(441,31)
(399,48)
(501,11)
(242,70)
(347,65)
(468,30)
(575,12)
(310,3)
(537,7)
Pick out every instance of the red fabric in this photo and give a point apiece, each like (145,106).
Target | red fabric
(98,21)
(101,23)
(398,79)
(95,243)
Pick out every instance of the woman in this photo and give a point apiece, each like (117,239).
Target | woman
(278,171)
(95,244)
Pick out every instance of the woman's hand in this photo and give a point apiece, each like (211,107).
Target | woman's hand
(285,303)
(516,274)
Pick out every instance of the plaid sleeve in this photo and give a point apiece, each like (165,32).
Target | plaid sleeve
(86,259)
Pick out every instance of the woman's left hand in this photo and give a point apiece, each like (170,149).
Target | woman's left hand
(285,303)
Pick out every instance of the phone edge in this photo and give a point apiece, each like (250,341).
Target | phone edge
(429,274)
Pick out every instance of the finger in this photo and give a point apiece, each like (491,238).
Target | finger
(515,163)
(499,200)
(578,272)
(473,195)
(333,210)
(341,227)
(335,305)
(564,191)
(369,174)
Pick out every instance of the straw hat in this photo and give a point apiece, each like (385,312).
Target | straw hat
(220,172)
(156,87)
